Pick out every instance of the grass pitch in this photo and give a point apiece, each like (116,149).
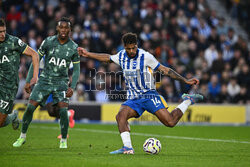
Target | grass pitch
(90,144)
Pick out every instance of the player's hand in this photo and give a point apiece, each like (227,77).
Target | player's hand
(33,81)
(69,92)
(193,81)
(82,52)
(27,88)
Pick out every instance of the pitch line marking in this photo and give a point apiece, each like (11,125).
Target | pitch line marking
(148,134)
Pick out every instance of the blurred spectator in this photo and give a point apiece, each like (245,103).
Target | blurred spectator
(225,76)
(233,89)
(239,66)
(221,27)
(214,88)
(232,38)
(227,51)
(211,54)
(218,64)
(243,96)
(182,45)
(204,29)
(23,25)
(213,20)
(13,15)
(146,33)
(204,91)
(13,28)
(195,21)
(234,61)
(213,37)
(223,96)
(244,75)
(181,18)
(185,60)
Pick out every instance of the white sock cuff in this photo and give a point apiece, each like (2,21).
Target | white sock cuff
(126,139)
(125,133)
(23,135)
(63,140)
(184,105)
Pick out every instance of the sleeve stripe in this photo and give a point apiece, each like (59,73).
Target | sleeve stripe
(76,62)
(25,49)
(157,66)
(40,53)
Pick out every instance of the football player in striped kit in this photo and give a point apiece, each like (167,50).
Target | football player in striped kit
(137,66)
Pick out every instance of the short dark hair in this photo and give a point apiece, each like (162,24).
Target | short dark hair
(129,38)
(65,19)
(2,23)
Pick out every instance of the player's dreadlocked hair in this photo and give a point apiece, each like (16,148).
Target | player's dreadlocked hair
(2,23)
(129,38)
(65,19)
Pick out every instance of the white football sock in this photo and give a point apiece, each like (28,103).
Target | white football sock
(63,140)
(69,113)
(126,139)
(23,135)
(184,105)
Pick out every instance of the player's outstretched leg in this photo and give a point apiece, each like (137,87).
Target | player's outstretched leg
(122,120)
(64,122)
(170,119)
(71,114)
(27,118)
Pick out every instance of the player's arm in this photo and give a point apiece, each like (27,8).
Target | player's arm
(75,77)
(174,75)
(98,56)
(28,85)
(35,62)
(42,52)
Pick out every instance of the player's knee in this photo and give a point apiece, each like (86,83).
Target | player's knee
(30,108)
(119,117)
(171,124)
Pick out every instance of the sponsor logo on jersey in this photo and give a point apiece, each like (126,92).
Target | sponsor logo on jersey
(134,64)
(57,62)
(20,42)
(4,59)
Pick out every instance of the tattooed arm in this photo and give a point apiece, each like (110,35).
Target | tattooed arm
(174,75)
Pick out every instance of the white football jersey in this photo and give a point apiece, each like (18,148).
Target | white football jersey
(137,71)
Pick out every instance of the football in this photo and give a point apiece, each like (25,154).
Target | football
(152,146)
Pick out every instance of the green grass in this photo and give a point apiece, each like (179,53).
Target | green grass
(89,148)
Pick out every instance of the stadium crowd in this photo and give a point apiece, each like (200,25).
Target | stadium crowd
(183,34)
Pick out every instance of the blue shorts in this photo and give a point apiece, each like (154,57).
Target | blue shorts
(49,99)
(150,101)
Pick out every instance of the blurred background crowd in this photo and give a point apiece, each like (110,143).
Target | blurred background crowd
(182,34)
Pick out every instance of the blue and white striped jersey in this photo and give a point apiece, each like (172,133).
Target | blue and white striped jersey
(137,71)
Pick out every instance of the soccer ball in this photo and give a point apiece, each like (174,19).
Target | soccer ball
(152,146)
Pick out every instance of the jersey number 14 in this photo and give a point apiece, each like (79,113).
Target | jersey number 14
(156,101)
